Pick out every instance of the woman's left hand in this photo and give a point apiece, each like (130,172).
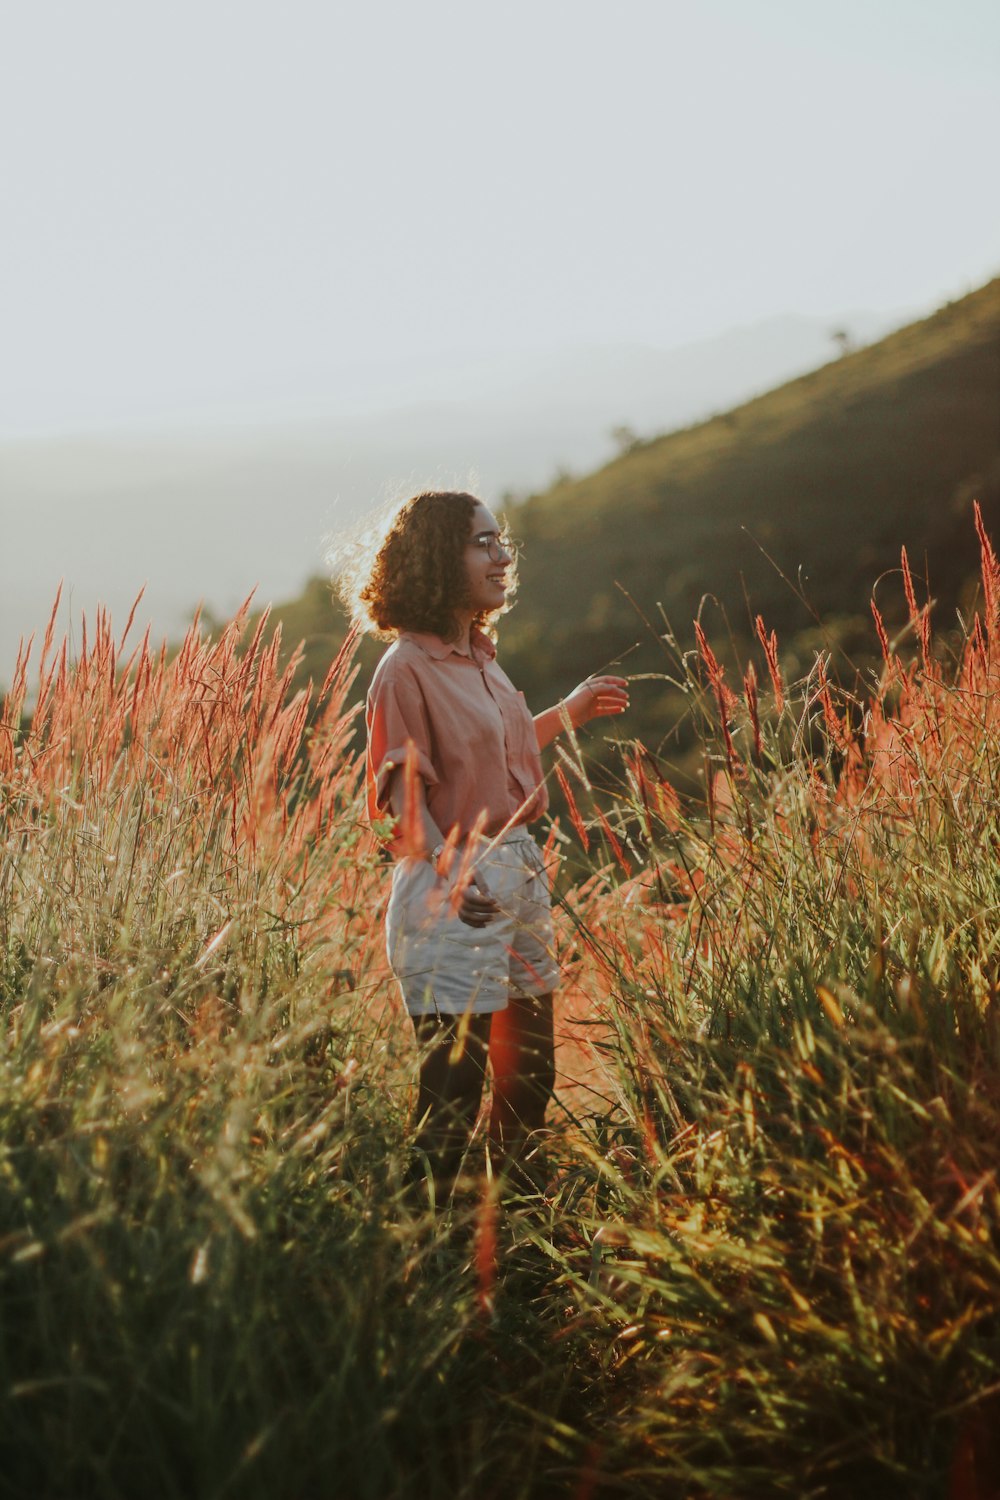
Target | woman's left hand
(596,698)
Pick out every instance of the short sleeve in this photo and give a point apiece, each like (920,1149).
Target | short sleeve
(396,717)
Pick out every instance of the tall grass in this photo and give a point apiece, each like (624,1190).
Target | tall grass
(212,1281)
(795,1196)
(765,1260)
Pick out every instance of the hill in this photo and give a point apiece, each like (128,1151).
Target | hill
(830,474)
(827,475)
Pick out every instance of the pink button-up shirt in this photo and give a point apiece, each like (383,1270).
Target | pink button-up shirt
(474,739)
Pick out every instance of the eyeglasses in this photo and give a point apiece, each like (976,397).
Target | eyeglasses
(498,548)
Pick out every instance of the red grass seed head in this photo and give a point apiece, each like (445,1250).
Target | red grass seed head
(770,645)
(990,572)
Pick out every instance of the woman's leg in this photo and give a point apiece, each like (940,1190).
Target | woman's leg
(453,1052)
(522,1059)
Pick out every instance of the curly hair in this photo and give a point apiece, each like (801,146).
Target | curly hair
(411,574)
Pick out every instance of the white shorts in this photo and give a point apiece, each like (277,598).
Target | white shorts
(446,967)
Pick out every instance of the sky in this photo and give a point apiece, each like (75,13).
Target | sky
(222,208)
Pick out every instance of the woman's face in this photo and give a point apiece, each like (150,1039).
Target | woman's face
(486,575)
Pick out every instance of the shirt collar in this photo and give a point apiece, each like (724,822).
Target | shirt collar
(439,649)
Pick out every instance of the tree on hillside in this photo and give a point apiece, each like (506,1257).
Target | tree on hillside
(625,438)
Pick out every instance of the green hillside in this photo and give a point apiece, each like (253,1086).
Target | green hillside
(829,475)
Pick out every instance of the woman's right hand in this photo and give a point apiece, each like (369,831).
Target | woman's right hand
(477,905)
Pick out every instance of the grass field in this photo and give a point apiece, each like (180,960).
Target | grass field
(765,1260)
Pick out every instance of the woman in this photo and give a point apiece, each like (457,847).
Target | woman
(454,773)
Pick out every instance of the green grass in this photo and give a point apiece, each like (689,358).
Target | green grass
(766,1257)
(213,1278)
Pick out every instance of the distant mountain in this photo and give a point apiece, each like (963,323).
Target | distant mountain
(208,515)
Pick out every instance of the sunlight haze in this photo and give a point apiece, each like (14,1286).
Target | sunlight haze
(219,217)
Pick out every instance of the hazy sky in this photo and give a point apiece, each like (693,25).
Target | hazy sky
(207,206)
